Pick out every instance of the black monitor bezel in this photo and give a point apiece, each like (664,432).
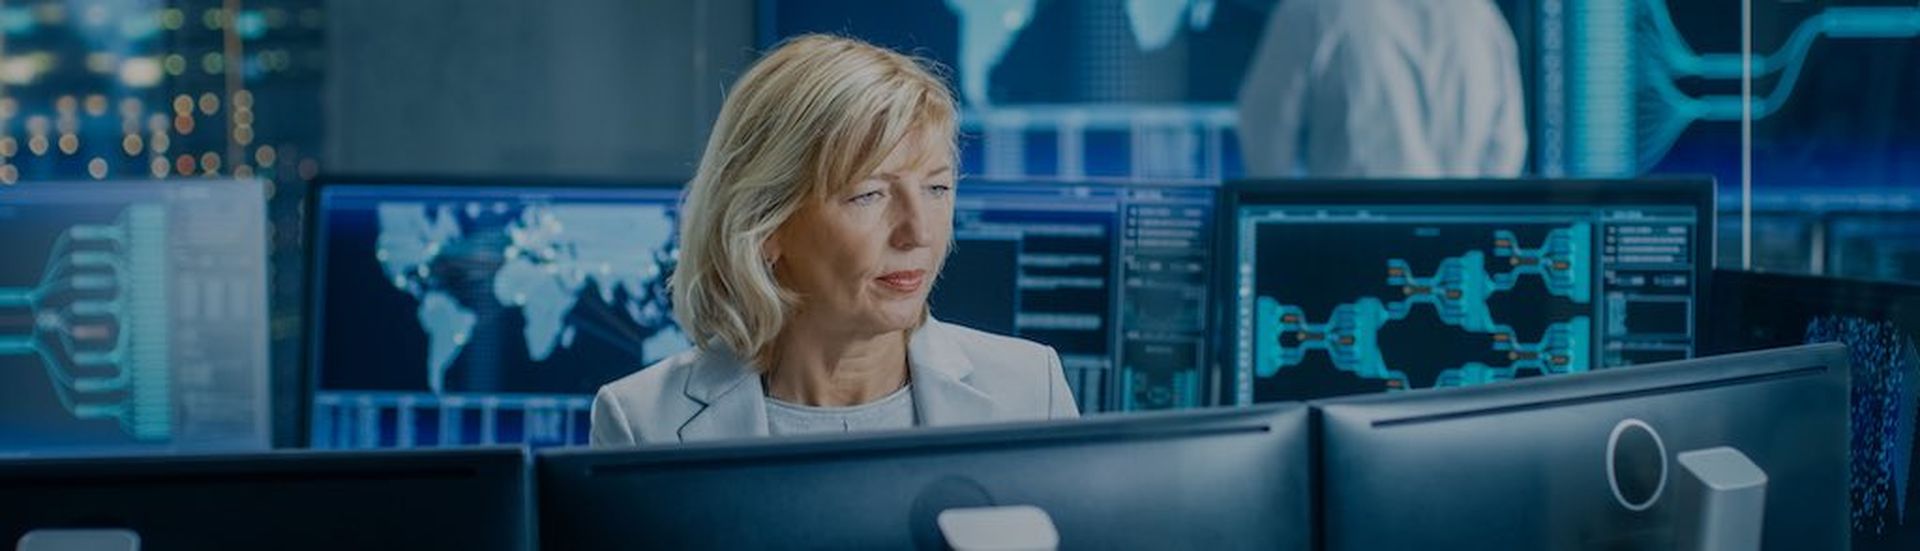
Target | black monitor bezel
(1698,192)
(1897,302)
(308,375)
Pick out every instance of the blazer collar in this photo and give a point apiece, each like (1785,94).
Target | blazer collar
(731,398)
(943,389)
(734,402)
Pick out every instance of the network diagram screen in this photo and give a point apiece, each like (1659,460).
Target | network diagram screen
(450,314)
(1113,277)
(1341,298)
(133,317)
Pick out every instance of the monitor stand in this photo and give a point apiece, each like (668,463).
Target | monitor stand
(1022,527)
(1727,496)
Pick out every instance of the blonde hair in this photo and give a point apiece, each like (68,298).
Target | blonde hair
(814,116)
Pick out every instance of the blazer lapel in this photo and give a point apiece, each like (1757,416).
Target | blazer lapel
(730,394)
(733,404)
(942,390)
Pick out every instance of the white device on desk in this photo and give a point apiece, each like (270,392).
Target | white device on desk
(1010,528)
(106,539)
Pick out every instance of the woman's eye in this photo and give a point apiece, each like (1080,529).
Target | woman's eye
(940,190)
(867,198)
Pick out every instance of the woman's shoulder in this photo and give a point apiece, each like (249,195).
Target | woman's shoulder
(1023,374)
(643,406)
(644,394)
(657,378)
(977,342)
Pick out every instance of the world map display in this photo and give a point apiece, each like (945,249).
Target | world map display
(457,312)
(456,260)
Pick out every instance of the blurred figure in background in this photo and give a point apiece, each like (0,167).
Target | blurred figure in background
(1384,88)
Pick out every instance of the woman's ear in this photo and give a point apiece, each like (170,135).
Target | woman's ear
(770,249)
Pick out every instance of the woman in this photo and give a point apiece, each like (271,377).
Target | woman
(818,222)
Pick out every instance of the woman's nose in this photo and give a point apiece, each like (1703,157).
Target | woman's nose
(910,227)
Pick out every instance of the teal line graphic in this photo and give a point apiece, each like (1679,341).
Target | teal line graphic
(99,322)
(1458,290)
(1670,58)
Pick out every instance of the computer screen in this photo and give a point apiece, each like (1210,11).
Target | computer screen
(1782,241)
(1830,88)
(133,317)
(448,312)
(1594,461)
(1208,479)
(285,500)
(1336,288)
(1112,276)
(1880,324)
(1874,245)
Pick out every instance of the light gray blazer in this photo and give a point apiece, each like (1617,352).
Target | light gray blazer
(959,375)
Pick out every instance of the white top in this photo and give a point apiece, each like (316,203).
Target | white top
(895,411)
(1384,88)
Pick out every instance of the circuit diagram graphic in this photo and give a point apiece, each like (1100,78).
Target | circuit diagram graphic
(96,321)
(1458,289)
(1665,60)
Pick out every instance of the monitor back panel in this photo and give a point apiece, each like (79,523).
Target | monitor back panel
(1527,465)
(468,499)
(1212,480)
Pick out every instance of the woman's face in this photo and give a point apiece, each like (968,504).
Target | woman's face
(863,259)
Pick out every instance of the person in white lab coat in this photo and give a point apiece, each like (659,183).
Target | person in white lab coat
(1384,88)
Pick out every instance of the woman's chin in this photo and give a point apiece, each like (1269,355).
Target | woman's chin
(896,317)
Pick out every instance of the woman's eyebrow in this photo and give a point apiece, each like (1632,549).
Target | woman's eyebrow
(893,178)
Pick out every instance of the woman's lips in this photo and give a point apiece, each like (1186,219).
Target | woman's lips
(905,281)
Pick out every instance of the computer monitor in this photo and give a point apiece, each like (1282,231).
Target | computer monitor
(1783,235)
(1210,479)
(1344,287)
(1602,460)
(447,311)
(1112,276)
(1880,324)
(133,317)
(1881,244)
(476,498)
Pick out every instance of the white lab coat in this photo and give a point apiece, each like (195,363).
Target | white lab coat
(1384,88)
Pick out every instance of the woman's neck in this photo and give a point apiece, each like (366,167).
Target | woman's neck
(836,370)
